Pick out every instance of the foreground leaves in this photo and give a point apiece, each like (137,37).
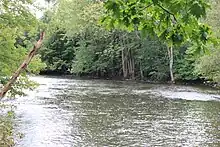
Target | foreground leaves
(173,21)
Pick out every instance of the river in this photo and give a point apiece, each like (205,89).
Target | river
(96,113)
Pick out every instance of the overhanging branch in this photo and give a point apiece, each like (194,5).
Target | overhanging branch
(23,66)
(174,17)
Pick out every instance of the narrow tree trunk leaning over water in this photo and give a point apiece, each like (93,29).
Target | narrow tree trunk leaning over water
(23,66)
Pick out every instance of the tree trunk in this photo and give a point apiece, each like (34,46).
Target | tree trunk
(132,72)
(141,71)
(125,58)
(170,53)
(129,64)
(23,66)
(124,66)
(133,67)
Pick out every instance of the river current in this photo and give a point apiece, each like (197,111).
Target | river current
(64,112)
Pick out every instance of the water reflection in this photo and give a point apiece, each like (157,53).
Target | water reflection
(66,113)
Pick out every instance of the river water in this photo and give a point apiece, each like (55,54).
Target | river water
(74,112)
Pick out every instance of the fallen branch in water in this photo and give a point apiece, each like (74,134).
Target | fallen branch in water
(23,66)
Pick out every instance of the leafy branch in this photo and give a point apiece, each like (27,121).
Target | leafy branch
(174,17)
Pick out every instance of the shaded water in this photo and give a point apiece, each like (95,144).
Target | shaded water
(70,112)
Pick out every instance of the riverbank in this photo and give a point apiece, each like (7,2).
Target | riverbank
(6,126)
(199,82)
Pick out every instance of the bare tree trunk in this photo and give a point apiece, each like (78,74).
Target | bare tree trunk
(131,62)
(141,71)
(126,64)
(123,56)
(133,67)
(124,59)
(23,66)
(123,63)
(170,52)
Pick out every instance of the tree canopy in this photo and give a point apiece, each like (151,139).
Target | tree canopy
(18,29)
(138,33)
(173,21)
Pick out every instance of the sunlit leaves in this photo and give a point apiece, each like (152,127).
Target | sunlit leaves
(208,66)
(15,13)
(168,19)
(16,25)
(74,16)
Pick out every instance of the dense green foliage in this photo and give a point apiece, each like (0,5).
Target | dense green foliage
(59,53)
(135,46)
(208,64)
(18,31)
(173,21)
(77,43)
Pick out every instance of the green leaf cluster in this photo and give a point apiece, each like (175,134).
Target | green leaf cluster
(18,29)
(173,21)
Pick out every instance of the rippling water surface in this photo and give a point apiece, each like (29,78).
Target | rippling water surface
(73,112)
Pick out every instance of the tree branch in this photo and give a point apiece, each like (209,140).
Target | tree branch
(23,66)
(174,17)
(147,6)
